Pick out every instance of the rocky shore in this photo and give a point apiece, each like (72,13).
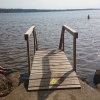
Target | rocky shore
(8,83)
(97,79)
(12,88)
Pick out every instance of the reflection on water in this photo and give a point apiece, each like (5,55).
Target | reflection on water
(13,52)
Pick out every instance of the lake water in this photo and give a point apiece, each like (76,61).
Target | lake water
(13,50)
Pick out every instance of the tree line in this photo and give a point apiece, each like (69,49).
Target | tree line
(36,10)
(25,10)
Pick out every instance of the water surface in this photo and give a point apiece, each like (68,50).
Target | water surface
(13,50)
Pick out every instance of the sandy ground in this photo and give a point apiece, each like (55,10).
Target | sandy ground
(85,93)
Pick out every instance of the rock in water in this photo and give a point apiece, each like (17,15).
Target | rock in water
(84,79)
(97,77)
(97,87)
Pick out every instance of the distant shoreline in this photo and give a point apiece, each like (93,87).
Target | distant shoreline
(3,10)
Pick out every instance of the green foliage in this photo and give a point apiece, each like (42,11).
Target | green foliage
(5,85)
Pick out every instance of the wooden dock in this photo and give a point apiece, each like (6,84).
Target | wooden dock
(51,69)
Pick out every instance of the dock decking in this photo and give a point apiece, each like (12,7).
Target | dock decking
(51,69)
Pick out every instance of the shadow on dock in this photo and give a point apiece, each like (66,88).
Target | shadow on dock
(43,94)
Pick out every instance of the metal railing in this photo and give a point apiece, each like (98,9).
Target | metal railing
(27,35)
(75,35)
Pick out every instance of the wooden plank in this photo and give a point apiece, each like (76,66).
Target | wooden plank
(52,65)
(52,75)
(49,70)
(49,54)
(29,31)
(49,58)
(60,53)
(46,56)
(71,31)
(55,87)
(45,68)
(47,73)
(45,82)
(60,79)
(52,61)
(48,51)
(48,64)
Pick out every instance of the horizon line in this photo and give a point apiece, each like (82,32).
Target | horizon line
(53,9)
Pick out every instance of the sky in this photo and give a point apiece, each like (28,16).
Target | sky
(50,4)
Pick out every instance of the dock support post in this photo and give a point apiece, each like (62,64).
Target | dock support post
(28,52)
(27,35)
(75,35)
(74,52)
(63,37)
(35,41)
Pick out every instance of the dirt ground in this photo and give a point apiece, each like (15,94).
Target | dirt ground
(85,93)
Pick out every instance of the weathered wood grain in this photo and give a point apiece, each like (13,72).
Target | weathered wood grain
(54,75)
(50,65)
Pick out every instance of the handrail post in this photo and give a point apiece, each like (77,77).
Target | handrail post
(63,37)
(35,40)
(74,52)
(75,35)
(27,34)
(28,52)
(60,44)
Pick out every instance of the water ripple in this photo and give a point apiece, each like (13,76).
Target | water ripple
(13,50)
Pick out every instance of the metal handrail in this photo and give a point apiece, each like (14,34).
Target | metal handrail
(75,35)
(27,35)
